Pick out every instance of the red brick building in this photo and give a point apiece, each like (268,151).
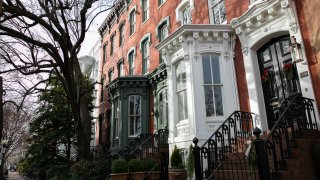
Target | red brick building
(186,65)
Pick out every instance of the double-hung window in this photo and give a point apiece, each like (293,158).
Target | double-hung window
(131,63)
(110,75)
(121,35)
(145,10)
(132,20)
(134,115)
(116,118)
(104,58)
(187,18)
(112,44)
(101,93)
(145,56)
(212,85)
(181,90)
(120,69)
(218,11)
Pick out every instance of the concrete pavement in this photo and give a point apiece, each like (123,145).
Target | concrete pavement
(15,176)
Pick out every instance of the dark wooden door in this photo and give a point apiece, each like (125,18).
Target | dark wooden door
(278,76)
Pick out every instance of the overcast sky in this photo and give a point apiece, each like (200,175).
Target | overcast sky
(92,35)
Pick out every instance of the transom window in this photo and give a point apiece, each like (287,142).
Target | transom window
(219,11)
(187,17)
(212,85)
(145,9)
(181,90)
(145,56)
(134,115)
(132,20)
(131,63)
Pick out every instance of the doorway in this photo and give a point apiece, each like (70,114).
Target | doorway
(278,74)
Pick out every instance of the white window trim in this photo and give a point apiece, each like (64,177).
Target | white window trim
(133,49)
(141,5)
(179,10)
(174,65)
(211,13)
(134,8)
(164,20)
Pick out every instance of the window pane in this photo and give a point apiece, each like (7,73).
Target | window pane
(185,104)
(138,125)
(215,69)
(216,15)
(180,105)
(222,12)
(209,100)
(131,126)
(218,100)
(138,106)
(206,69)
(131,105)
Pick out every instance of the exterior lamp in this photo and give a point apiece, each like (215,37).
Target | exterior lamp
(296,51)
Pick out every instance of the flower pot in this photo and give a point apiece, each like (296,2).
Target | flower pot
(119,176)
(154,175)
(136,175)
(177,174)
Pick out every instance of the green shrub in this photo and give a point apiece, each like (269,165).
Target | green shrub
(135,165)
(151,165)
(190,163)
(119,166)
(176,159)
(81,168)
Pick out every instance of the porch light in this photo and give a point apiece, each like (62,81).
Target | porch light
(296,51)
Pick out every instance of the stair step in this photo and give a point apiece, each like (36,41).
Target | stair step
(236,174)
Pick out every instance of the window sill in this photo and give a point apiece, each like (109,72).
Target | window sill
(215,119)
(145,21)
(162,4)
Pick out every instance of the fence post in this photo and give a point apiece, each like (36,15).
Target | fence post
(197,160)
(262,157)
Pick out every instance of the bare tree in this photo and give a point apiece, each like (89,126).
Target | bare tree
(41,37)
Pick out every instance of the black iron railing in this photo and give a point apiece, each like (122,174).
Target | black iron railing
(230,137)
(154,147)
(298,115)
(133,144)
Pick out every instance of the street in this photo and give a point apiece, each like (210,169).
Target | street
(15,176)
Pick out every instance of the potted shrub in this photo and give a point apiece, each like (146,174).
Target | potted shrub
(119,169)
(190,164)
(177,171)
(136,169)
(151,168)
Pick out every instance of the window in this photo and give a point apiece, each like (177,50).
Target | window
(132,20)
(101,93)
(145,56)
(104,58)
(160,2)
(100,128)
(187,18)
(145,10)
(110,75)
(131,63)
(116,118)
(121,35)
(219,11)
(134,115)
(120,69)
(181,90)
(212,85)
(112,44)
(163,28)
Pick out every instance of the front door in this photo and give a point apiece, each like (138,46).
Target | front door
(162,116)
(278,76)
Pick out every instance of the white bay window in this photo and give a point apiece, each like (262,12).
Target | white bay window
(181,90)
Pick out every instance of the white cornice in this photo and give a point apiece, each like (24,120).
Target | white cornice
(194,31)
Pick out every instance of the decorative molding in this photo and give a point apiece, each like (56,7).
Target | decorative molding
(284,4)
(165,20)
(195,35)
(245,50)
(293,27)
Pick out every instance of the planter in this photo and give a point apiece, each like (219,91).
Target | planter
(119,176)
(136,175)
(154,175)
(177,174)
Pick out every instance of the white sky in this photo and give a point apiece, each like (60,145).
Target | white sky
(92,36)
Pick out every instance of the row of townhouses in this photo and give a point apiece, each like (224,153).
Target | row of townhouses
(187,65)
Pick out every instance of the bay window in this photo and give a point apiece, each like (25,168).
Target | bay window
(181,91)
(212,85)
(134,115)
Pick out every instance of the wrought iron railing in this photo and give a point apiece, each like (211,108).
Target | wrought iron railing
(230,137)
(298,115)
(133,144)
(154,147)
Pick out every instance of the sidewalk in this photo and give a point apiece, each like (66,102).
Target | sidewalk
(14,176)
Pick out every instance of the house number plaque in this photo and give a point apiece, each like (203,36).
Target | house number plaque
(304,74)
